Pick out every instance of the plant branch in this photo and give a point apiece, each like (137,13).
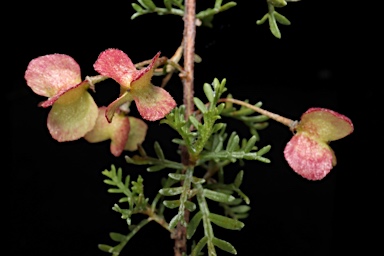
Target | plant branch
(187,78)
(189,55)
(159,219)
(286,121)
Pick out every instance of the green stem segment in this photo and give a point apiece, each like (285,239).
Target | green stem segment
(159,219)
(208,231)
(121,246)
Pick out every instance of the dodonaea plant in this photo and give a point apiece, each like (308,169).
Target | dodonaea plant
(203,140)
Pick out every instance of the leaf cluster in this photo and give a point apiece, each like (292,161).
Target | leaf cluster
(133,192)
(176,7)
(133,195)
(274,17)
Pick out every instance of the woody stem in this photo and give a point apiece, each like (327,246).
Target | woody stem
(187,77)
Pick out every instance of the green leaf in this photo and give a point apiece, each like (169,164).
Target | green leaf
(196,180)
(119,174)
(195,123)
(127,180)
(105,248)
(262,20)
(281,19)
(135,15)
(250,144)
(168,4)
(114,190)
(171,191)
(217,127)
(179,141)
(217,196)
(158,151)
(109,182)
(233,142)
(218,3)
(176,176)
(174,221)
(243,196)
(241,208)
(193,224)
(199,246)
(236,201)
(200,105)
(155,168)
(260,126)
(137,7)
(241,215)
(277,3)
(225,191)
(224,245)
(264,150)
(197,58)
(190,206)
(226,222)
(123,200)
(220,107)
(227,6)
(208,92)
(117,237)
(239,179)
(171,204)
(106,173)
(263,159)
(273,27)
(147,4)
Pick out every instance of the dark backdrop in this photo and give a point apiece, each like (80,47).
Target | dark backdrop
(58,204)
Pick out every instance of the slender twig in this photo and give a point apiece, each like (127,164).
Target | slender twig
(160,61)
(286,121)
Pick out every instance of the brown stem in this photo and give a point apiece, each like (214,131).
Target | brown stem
(286,121)
(187,76)
(189,55)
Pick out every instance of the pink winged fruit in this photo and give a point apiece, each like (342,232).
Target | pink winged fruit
(152,102)
(308,152)
(125,132)
(58,77)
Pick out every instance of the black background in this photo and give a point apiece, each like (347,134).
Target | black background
(57,202)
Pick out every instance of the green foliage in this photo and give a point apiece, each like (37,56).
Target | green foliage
(210,148)
(254,122)
(207,15)
(203,122)
(204,215)
(176,7)
(133,193)
(274,17)
(121,239)
(235,209)
(157,164)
